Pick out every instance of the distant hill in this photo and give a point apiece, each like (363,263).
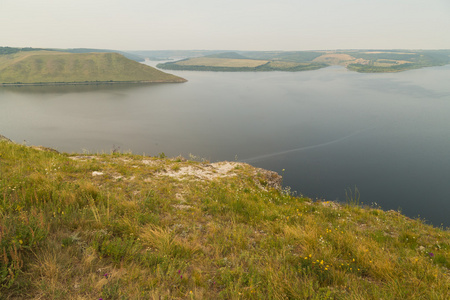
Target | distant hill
(174,54)
(236,62)
(369,61)
(44,67)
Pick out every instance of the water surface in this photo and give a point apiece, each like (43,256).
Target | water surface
(330,129)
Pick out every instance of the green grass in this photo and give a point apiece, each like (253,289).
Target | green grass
(134,229)
(44,67)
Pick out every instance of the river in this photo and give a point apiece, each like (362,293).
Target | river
(330,130)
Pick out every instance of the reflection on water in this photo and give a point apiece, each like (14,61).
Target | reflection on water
(304,148)
(76,88)
(331,129)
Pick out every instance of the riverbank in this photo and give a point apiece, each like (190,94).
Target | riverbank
(123,225)
(180,80)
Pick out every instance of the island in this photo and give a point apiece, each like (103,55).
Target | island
(367,61)
(44,67)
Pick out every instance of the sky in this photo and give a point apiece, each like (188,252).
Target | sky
(226,24)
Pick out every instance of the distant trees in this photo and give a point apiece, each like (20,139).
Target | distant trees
(12,50)
(8,50)
(370,68)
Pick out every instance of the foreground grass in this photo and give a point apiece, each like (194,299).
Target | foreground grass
(123,226)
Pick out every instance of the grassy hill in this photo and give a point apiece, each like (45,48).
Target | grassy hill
(11,50)
(124,226)
(44,67)
(131,56)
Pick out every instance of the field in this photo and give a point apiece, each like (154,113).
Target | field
(223,62)
(40,67)
(124,226)
(285,64)
(335,59)
(233,62)
(390,63)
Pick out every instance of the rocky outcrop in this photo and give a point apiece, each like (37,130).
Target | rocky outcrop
(4,138)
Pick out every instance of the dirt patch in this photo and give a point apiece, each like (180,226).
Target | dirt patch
(204,172)
(82,157)
(263,178)
(151,162)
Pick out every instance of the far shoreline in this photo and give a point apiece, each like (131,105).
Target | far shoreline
(89,83)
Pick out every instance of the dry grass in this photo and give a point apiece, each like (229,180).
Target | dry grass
(10,59)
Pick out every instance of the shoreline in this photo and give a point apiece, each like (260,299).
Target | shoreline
(90,83)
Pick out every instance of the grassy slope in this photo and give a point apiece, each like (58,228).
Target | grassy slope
(132,231)
(52,66)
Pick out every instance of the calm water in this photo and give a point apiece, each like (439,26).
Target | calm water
(330,129)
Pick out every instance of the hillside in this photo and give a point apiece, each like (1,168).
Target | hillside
(225,63)
(45,67)
(124,226)
(131,56)
(11,50)
(369,61)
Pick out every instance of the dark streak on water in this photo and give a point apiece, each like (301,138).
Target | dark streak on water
(331,129)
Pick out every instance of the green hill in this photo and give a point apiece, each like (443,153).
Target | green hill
(123,226)
(44,67)
(10,50)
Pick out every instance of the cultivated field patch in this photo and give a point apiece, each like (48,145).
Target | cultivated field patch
(223,62)
(335,59)
(285,64)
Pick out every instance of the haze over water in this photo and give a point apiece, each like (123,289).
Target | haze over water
(330,129)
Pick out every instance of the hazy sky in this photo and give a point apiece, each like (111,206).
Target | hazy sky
(226,24)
